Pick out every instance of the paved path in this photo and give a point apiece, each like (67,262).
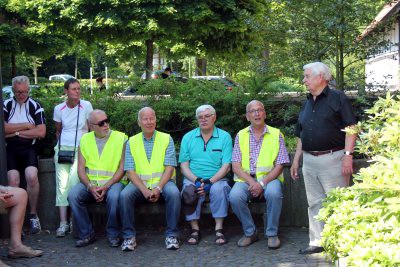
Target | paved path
(151,251)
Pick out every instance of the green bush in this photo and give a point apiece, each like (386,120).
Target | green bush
(363,221)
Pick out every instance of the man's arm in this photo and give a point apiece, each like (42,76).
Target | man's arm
(294,169)
(238,170)
(11,128)
(58,129)
(221,173)
(119,173)
(83,176)
(185,170)
(38,132)
(135,179)
(347,164)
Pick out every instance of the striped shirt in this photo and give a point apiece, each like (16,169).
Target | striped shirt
(255,147)
(170,156)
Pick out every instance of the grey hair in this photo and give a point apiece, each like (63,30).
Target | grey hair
(20,79)
(142,110)
(203,108)
(94,112)
(319,68)
(253,102)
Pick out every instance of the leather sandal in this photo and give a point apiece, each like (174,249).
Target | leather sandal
(195,235)
(219,235)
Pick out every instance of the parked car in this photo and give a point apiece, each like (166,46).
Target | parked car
(157,74)
(228,83)
(60,77)
(8,93)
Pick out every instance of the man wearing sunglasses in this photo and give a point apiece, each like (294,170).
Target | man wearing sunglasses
(257,161)
(24,122)
(205,159)
(100,170)
(150,163)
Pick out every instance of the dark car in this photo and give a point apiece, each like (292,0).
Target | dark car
(229,84)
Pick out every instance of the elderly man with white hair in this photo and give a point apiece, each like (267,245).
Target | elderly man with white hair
(205,158)
(150,162)
(24,123)
(327,150)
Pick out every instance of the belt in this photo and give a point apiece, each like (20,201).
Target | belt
(320,153)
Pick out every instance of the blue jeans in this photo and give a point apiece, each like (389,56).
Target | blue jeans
(219,197)
(131,194)
(79,197)
(239,197)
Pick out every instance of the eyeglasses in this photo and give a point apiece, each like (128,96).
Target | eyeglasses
(205,117)
(21,92)
(101,123)
(254,111)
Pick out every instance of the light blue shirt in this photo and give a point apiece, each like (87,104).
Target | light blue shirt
(205,159)
(170,156)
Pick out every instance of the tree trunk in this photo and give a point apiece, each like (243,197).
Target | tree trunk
(76,67)
(1,74)
(149,58)
(264,60)
(35,67)
(13,66)
(201,67)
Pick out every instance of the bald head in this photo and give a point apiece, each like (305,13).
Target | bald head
(94,114)
(252,103)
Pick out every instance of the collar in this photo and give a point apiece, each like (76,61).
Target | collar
(324,92)
(251,130)
(152,137)
(215,133)
(15,99)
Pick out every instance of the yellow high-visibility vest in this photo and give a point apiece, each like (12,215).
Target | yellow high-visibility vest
(100,169)
(268,153)
(150,172)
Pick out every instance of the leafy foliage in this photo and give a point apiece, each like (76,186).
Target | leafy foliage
(363,221)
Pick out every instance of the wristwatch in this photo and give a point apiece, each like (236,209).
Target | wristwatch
(16,133)
(261,183)
(159,189)
(348,153)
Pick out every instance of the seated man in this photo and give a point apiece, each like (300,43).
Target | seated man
(14,200)
(150,163)
(24,122)
(100,169)
(257,161)
(205,159)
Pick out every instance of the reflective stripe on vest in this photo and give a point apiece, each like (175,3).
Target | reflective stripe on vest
(150,172)
(268,153)
(101,169)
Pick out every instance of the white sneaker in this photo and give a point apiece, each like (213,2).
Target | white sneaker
(129,244)
(62,230)
(171,243)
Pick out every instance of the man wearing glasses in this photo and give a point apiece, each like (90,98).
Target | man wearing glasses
(100,170)
(150,162)
(24,122)
(258,156)
(205,158)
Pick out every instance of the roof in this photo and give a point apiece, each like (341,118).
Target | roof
(387,11)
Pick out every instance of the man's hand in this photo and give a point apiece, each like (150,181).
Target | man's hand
(4,196)
(102,190)
(155,195)
(347,167)
(294,170)
(255,189)
(147,193)
(95,191)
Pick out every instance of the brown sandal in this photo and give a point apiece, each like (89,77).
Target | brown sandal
(195,234)
(219,235)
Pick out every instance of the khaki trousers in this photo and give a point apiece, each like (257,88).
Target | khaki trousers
(321,175)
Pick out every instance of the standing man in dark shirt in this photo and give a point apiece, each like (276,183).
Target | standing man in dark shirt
(24,123)
(327,150)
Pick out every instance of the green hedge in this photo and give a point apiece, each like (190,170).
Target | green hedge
(363,221)
(175,103)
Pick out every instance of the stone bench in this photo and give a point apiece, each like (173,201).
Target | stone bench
(294,209)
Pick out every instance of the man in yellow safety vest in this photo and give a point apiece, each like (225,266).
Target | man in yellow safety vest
(150,163)
(100,169)
(258,156)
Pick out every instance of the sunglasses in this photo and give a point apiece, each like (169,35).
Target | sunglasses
(101,123)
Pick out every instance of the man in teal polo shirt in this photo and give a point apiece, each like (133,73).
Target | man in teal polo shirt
(205,159)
